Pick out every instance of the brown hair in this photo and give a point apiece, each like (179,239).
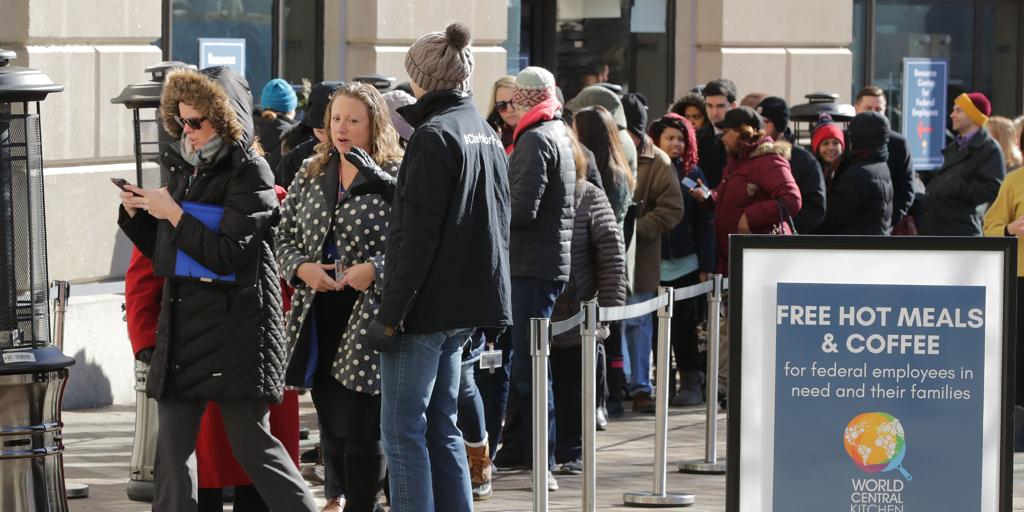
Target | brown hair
(871,90)
(748,134)
(578,156)
(598,132)
(384,145)
(1002,131)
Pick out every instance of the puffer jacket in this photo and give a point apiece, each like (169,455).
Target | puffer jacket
(542,178)
(360,226)
(598,262)
(960,192)
(659,201)
(216,341)
(752,182)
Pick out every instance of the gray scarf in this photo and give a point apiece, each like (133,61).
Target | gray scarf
(205,154)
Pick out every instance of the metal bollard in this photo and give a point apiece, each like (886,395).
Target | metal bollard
(659,497)
(540,345)
(588,331)
(711,464)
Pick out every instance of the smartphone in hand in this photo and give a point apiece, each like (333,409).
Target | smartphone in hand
(688,183)
(121,182)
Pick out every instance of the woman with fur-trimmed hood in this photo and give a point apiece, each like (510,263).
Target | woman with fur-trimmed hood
(220,333)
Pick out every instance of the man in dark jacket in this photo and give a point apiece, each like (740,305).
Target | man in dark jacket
(446,274)
(806,169)
(972,170)
(223,341)
(542,179)
(860,200)
(901,168)
(719,97)
(290,163)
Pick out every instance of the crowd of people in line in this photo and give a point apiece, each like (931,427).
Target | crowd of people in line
(375,251)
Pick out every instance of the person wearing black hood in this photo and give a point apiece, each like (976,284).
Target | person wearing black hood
(806,169)
(220,337)
(316,108)
(860,197)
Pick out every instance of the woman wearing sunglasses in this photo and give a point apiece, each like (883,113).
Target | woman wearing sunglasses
(504,116)
(220,333)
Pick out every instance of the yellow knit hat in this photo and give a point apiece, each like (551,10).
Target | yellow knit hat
(976,106)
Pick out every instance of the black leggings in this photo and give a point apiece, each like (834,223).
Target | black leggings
(363,469)
(247,499)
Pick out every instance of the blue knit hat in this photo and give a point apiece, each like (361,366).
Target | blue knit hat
(278,96)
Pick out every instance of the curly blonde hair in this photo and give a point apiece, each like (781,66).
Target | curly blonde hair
(384,145)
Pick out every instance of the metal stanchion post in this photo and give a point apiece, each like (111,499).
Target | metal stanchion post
(540,342)
(588,330)
(659,497)
(711,464)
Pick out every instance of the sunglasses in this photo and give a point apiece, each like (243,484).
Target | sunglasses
(195,122)
(502,106)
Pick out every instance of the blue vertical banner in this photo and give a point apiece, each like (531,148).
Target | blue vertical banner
(216,51)
(924,111)
(879,394)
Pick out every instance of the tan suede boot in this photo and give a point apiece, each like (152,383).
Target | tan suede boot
(480,471)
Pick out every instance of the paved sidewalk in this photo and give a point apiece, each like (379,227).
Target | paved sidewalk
(99,444)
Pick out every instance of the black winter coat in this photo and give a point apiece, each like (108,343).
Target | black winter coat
(860,197)
(811,181)
(598,261)
(960,192)
(901,170)
(542,179)
(217,341)
(270,131)
(711,155)
(446,262)
(291,162)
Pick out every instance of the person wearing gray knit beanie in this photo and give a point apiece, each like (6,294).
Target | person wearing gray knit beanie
(454,188)
(441,61)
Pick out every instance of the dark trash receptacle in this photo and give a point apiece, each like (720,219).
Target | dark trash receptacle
(33,372)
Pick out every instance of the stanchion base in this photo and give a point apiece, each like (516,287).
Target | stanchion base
(703,467)
(651,500)
(75,491)
(141,490)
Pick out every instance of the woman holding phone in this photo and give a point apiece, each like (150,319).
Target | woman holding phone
(219,334)
(687,252)
(330,246)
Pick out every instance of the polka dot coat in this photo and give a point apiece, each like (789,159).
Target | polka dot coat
(360,227)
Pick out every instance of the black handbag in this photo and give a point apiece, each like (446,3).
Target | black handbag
(785,225)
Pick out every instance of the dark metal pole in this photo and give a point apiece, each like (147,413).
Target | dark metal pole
(8,286)
(138,147)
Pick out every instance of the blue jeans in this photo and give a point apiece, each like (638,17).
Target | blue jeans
(427,465)
(471,406)
(638,332)
(531,298)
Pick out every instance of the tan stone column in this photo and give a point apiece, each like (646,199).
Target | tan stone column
(377,33)
(784,48)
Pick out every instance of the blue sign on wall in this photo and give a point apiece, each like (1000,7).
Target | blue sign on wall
(222,52)
(924,111)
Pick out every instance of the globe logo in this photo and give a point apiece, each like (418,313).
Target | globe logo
(876,443)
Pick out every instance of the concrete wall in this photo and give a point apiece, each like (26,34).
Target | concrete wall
(94,49)
(785,49)
(372,36)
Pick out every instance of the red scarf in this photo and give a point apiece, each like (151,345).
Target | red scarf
(543,111)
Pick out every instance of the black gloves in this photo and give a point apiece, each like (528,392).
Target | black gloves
(145,355)
(377,181)
(382,338)
(491,334)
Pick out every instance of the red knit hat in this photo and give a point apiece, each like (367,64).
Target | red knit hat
(824,132)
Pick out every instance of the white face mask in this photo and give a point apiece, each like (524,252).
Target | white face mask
(205,153)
